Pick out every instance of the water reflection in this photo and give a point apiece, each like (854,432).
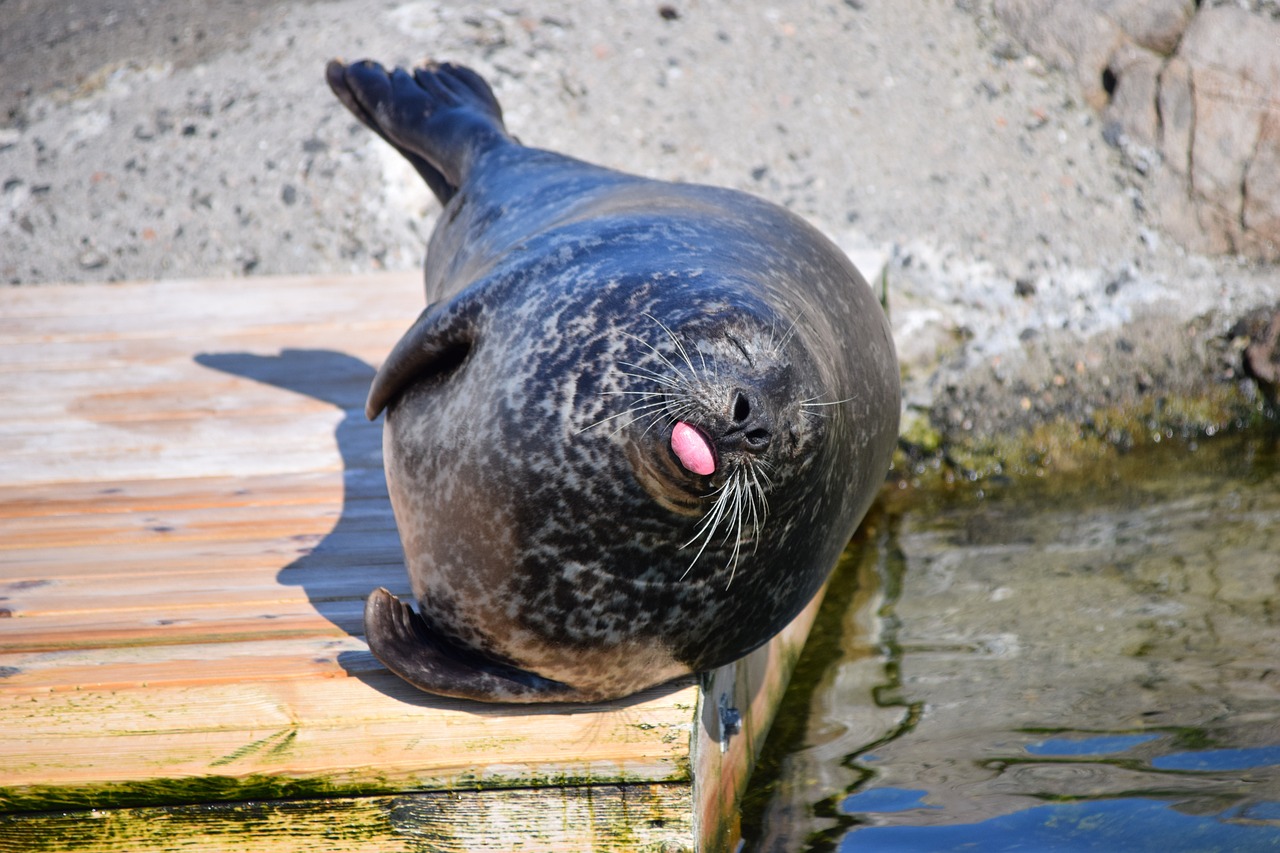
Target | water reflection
(1220,759)
(1091,667)
(1128,824)
(1101,745)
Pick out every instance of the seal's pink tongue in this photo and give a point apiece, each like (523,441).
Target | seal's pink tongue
(692,449)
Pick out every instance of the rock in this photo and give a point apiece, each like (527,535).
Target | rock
(1062,34)
(92,258)
(1135,94)
(1260,333)
(1261,214)
(1235,70)
(1156,26)
(1187,92)
(1084,37)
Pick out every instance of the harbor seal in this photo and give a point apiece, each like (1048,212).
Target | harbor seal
(635,425)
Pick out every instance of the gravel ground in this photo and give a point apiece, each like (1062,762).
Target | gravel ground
(141,139)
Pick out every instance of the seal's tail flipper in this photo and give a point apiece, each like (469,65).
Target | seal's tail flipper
(400,638)
(440,117)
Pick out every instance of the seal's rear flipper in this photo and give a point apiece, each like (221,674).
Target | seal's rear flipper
(440,117)
(406,645)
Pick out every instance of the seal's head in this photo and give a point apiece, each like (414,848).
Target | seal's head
(720,422)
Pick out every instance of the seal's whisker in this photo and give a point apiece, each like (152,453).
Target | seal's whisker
(607,419)
(684,409)
(684,354)
(657,408)
(750,511)
(740,509)
(649,376)
(735,528)
(656,418)
(689,362)
(671,419)
(630,410)
(776,344)
(655,413)
(758,494)
(746,503)
(760,469)
(657,352)
(710,521)
(811,407)
(702,358)
(809,403)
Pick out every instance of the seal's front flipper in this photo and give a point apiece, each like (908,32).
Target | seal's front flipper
(406,645)
(437,343)
(441,117)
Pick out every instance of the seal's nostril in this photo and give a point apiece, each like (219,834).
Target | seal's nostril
(741,407)
(758,439)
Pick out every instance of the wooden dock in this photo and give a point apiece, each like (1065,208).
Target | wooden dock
(192,510)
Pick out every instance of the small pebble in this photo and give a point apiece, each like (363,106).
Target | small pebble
(93,258)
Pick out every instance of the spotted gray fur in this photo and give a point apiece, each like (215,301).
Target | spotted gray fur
(557,548)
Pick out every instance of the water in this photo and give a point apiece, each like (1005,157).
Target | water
(1086,663)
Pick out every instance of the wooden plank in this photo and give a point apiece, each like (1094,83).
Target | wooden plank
(231,623)
(197,510)
(50,354)
(559,819)
(736,707)
(143,592)
(190,664)
(192,510)
(84,561)
(368,734)
(185,399)
(186,448)
(140,308)
(156,459)
(191,525)
(88,499)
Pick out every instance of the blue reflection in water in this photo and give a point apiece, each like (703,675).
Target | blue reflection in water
(1261,811)
(1220,759)
(886,799)
(1131,824)
(1104,745)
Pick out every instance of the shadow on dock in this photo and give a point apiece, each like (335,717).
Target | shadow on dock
(362,551)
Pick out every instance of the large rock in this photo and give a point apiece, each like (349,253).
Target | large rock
(1191,94)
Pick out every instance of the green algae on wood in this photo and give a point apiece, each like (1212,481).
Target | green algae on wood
(605,818)
(171,791)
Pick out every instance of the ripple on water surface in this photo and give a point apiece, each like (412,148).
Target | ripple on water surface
(1077,665)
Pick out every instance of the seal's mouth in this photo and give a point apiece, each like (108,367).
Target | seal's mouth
(673,479)
(693,448)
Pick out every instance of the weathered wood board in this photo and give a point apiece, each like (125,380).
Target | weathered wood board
(192,510)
